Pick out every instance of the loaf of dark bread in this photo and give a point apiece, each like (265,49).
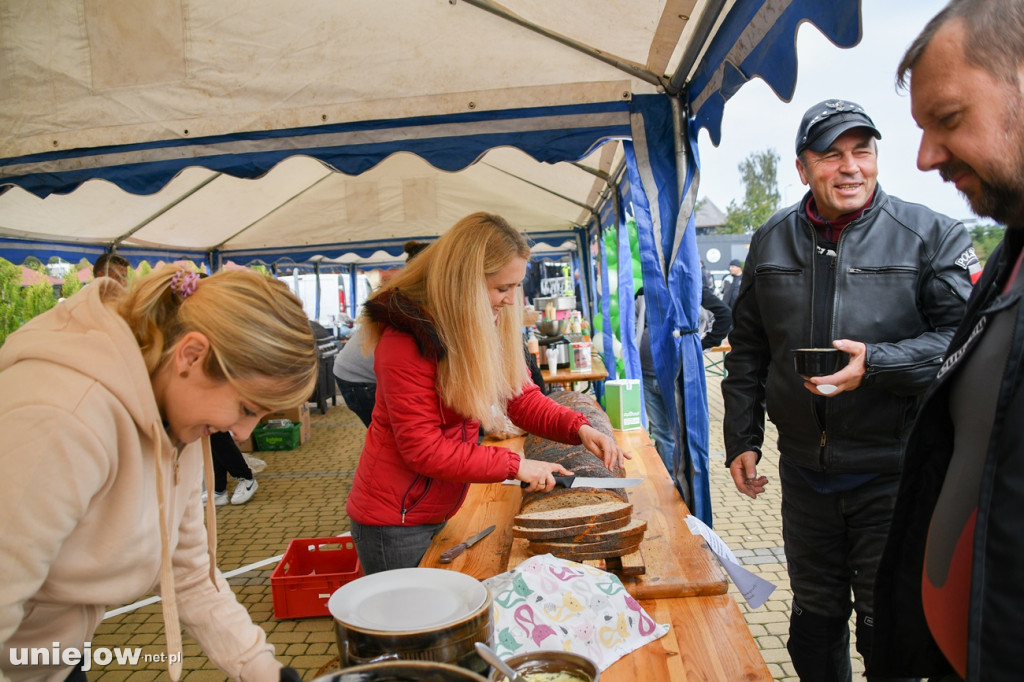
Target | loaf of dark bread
(575,458)
(577,523)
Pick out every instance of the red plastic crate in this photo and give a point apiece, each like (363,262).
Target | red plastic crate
(309,573)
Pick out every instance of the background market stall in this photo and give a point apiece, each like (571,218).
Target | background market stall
(267,130)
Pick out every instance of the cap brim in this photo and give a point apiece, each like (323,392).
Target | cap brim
(825,139)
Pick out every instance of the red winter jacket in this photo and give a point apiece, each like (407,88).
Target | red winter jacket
(420,456)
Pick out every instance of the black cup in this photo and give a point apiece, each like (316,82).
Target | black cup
(818,362)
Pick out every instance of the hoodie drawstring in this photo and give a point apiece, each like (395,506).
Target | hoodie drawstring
(211,512)
(168,595)
(168,598)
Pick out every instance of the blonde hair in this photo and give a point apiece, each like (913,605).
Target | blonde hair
(484,365)
(256,327)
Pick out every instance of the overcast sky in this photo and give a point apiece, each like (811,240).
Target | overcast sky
(756,119)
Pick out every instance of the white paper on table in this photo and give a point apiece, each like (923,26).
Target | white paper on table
(754,588)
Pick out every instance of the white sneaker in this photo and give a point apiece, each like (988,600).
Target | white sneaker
(244,490)
(220,499)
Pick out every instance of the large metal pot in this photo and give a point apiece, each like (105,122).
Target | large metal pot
(452,641)
(402,671)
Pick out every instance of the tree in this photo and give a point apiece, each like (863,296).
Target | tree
(71,284)
(986,238)
(759,172)
(11,303)
(38,298)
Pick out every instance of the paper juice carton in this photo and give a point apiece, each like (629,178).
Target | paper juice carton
(622,403)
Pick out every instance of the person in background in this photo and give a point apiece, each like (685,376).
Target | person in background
(113,266)
(885,282)
(228,459)
(447,335)
(948,593)
(714,323)
(706,277)
(353,368)
(731,283)
(100,482)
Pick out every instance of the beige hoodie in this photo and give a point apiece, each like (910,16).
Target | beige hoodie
(80,525)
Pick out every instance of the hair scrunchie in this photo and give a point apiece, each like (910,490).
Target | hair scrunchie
(184,282)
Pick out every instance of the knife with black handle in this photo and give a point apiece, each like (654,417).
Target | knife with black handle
(580,482)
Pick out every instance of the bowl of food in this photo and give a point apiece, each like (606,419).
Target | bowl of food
(550,666)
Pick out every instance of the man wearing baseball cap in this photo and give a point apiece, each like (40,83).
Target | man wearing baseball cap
(883,281)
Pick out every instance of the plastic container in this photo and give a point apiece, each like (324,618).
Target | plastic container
(309,573)
(267,437)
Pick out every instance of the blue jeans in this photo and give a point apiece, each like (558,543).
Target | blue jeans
(360,398)
(382,548)
(658,422)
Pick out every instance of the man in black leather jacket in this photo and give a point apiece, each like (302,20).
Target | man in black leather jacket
(884,281)
(948,592)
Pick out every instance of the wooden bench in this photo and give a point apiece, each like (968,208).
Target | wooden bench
(716,365)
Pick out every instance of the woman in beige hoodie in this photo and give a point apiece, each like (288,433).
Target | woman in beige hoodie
(106,405)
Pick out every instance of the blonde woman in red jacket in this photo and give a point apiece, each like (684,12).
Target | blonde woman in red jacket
(447,334)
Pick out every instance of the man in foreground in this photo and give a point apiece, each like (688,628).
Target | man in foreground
(885,282)
(949,585)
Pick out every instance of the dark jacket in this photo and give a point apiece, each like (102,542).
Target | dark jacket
(898,288)
(731,288)
(904,645)
(722,322)
(420,455)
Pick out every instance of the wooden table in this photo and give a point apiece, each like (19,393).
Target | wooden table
(684,586)
(708,640)
(679,564)
(563,375)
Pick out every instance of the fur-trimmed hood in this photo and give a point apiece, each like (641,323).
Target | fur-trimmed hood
(398,311)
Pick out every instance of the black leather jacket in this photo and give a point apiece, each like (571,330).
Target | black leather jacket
(899,288)
(903,643)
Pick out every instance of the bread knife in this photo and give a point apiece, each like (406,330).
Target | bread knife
(449,554)
(581,482)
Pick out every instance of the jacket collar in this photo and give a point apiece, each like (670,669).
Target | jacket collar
(392,308)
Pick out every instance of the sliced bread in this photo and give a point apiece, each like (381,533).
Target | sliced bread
(569,533)
(568,498)
(583,553)
(630,534)
(600,510)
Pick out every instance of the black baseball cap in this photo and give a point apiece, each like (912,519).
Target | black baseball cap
(826,121)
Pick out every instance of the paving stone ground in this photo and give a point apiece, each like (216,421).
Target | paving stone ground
(302,494)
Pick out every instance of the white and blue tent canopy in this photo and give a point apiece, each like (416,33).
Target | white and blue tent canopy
(266,129)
